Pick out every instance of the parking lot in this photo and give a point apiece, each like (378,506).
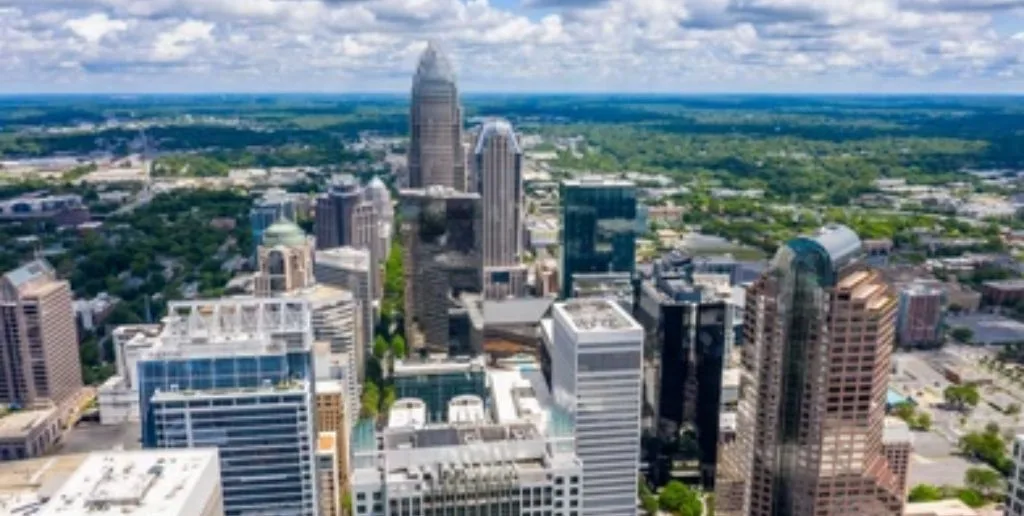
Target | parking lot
(918,375)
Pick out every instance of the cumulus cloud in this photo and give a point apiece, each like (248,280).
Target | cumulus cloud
(367,45)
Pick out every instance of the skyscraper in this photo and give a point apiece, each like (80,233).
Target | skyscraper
(443,258)
(497,171)
(599,223)
(596,351)
(436,154)
(38,339)
(335,212)
(689,323)
(237,374)
(819,330)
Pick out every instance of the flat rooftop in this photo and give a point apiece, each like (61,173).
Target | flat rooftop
(1010,284)
(344,257)
(597,181)
(143,483)
(430,366)
(596,315)
(325,442)
(18,424)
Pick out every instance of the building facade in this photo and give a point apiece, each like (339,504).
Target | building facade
(335,212)
(598,229)
(276,204)
(819,332)
(443,258)
(436,153)
(236,375)
(596,353)
(38,337)
(351,269)
(285,260)
(689,332)
(1015,487)
(921,311)
(498,172)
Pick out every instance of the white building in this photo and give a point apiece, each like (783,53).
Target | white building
(142,483)
(350,269)
(118,397)
(595,350)
(512,455)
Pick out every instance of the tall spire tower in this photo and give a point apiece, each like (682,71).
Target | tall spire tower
(436,155)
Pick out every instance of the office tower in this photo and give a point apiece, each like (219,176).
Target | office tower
(506,451)
(596,351)
(150,482)
(276,204)
(285,260)
(237,374)
(442,235)
(436,154)
(335,212)
(334,419)
(598,229)
(377,193)
(350,269)
(1015,488)
(688,320)
(118,397)
(819,330)
(921,311)
(497,171)
(38,338)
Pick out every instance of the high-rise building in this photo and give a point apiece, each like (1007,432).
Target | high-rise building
(599,227)
(689,331)
(150,482)
(507,450)
(335,212)
(819,330)
(285,260)
(327,474)
(350,269)
(596,352)
(276,204)
(442,235)
(38,338)
(436,154)
(921,312)
(237,375)
(497,171)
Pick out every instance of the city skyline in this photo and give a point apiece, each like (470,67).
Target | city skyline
(508,45)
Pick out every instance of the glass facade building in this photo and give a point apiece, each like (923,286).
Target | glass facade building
(438,383)
(257,410)
(599,227)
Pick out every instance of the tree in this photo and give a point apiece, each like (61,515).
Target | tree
(904,410)
(922,423)
(398,346)
(387,399)
(1013,409)
(370,400)
(984,480)
(925,493)
(971,498)
(962,397)
(380,347)
(962,334)
(680,499)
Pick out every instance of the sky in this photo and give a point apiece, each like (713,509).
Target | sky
(659,46)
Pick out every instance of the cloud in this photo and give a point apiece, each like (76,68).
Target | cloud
(181,41)
(95,27)
(587,45)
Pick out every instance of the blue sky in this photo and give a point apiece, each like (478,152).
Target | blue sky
(665,46)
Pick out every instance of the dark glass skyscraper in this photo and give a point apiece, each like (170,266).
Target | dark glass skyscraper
(598,228)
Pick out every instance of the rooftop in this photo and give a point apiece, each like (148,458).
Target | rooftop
(896,431)
(143,483)
(31,271)
(595,315)
(325,442)
(1010,284)
(416,367)
(345,258)
(516,311)
(940,508)
(284,233)
(20,423)
(497,127)
(597,182)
